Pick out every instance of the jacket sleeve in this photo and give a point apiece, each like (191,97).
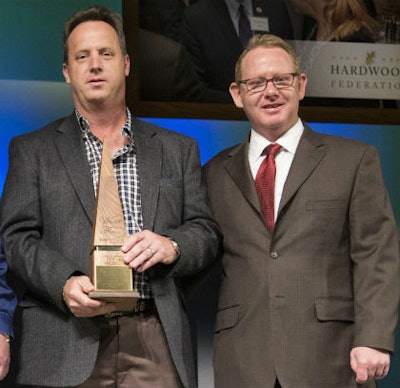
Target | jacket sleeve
(375,256)
(29,244)
(184,215)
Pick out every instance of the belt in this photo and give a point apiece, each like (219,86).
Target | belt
(143,306)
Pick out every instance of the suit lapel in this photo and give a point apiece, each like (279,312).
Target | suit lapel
(149,156)
(68,142)
(238,168)
(309,153)
(149,152)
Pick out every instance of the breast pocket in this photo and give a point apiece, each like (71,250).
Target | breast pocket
(328,206)
(170,201)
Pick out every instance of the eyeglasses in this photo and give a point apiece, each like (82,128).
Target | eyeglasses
(280,81)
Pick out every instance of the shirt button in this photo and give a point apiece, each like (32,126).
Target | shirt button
(274,255)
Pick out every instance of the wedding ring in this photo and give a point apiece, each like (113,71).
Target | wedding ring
(151,252)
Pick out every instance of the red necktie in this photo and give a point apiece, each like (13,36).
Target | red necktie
(265,183)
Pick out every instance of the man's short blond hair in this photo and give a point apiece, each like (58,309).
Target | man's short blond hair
(269,41)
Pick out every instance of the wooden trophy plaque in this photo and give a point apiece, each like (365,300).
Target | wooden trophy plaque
(112,278)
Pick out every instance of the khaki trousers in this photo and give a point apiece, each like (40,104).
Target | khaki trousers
(133,353)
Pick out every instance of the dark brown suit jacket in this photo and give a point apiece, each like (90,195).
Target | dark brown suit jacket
(293,304)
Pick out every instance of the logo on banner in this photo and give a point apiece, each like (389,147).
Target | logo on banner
(351,70)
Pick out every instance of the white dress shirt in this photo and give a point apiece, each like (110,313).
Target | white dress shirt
(289,142)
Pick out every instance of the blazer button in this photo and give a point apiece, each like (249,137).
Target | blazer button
(274,255)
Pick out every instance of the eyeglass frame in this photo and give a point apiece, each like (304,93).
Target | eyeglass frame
(267,80)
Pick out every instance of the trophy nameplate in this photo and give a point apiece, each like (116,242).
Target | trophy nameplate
(111,277)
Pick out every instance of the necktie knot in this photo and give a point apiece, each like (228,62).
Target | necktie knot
(271,150)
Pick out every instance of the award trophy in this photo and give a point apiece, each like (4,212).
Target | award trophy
(112,278)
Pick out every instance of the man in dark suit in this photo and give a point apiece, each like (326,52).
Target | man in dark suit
(162,17)
(166,71)
(211,36)
(310,285)
(46,220)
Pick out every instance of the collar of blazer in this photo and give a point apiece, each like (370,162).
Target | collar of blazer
(309,153)
(69,145)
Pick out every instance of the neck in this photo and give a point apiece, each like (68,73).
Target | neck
(272,134)
(107,125)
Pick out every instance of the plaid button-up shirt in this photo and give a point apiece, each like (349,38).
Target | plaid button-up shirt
(126,173)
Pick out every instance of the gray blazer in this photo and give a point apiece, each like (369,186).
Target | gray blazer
(294,303)
(46,222)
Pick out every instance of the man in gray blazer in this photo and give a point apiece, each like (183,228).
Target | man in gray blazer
(65,338)
(310,301)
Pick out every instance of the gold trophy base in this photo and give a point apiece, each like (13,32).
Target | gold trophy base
(123,300)
(112,278)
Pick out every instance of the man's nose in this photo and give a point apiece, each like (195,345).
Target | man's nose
(95,62)
(270,88)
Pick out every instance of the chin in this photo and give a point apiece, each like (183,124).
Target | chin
(95,99)
(274,122)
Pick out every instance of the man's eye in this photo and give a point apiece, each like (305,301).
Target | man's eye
(256,83)
(280,79)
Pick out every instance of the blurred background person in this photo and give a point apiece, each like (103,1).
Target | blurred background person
(162,16)
(338,20)
(212,36)
(166,71)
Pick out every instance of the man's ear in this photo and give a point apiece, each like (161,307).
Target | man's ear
(234,90)
(302,85)
(65,71)
(127,65)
